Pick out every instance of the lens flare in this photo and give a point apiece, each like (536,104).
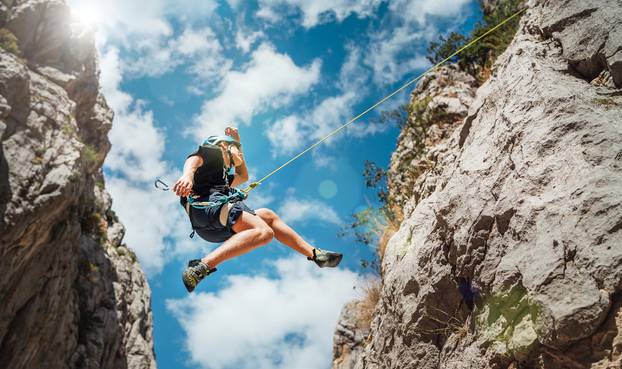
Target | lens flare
(328,189)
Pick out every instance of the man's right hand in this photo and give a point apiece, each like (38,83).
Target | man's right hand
(183,186)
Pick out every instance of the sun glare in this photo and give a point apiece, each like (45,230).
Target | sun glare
(85,14)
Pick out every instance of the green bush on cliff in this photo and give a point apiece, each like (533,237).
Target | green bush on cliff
(90,157)
(8,41)
(478,58)
(373,226)
(367,224)
(95,224)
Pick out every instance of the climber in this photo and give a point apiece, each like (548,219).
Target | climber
(206,180)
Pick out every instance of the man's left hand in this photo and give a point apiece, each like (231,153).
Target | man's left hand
(232,132)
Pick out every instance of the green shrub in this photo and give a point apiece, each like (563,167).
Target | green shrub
(8,41)
(95,225)
(74,177)
(127,251)
(420,122)
(479,57)
(90,157)
(397,117)
(374,226)
(69,129)
(132,255)
(367,303)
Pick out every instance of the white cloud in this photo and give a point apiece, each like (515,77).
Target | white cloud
(419,10)
(137,144)
(234,3)
(259,197)
(294,210)
(142,31)
(286,135)
(269,80)
(110,80)
(200,49)
(315,12)
(122,20)
(126,20)
(392,52)
(245,41)
(257,322)
(192,42)
(156,226)
(189,11)
(323,160)
(194,90)
(388,50)
(297,131)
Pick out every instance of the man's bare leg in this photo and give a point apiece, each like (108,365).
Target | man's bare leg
(251,232)
(284,233)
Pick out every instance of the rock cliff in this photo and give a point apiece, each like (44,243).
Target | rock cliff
(510,251)
(72,294)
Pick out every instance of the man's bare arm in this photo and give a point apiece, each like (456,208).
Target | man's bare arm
(241,172)
(183,186)
(192,164)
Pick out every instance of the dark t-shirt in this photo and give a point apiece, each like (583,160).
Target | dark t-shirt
(212,173)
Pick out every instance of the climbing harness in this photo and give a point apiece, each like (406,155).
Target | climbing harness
(245,191)
(236,195)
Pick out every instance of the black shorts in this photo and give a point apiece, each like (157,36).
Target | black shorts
(206,222)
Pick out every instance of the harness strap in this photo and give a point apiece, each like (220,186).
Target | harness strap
(191,202)
(187,207)
(236,195)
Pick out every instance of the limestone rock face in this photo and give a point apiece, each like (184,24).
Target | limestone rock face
(446,91)
(350,336)
(510,255)
(72,294)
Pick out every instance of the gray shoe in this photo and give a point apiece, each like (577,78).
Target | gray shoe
(194,273)
(324,258)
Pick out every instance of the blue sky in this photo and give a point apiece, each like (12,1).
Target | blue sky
(285,72)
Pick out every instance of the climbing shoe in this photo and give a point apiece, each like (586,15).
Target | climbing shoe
(194,273)
(324,258)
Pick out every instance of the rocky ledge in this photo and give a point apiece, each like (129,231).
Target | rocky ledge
(72,293)
(509,254)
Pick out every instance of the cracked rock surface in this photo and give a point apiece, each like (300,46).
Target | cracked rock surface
(510,255)
(72,293)
(350,336)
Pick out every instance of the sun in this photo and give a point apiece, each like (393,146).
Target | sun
(86,13)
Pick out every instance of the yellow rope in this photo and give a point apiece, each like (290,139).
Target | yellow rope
(473,42)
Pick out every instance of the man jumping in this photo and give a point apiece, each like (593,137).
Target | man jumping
(223,217)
